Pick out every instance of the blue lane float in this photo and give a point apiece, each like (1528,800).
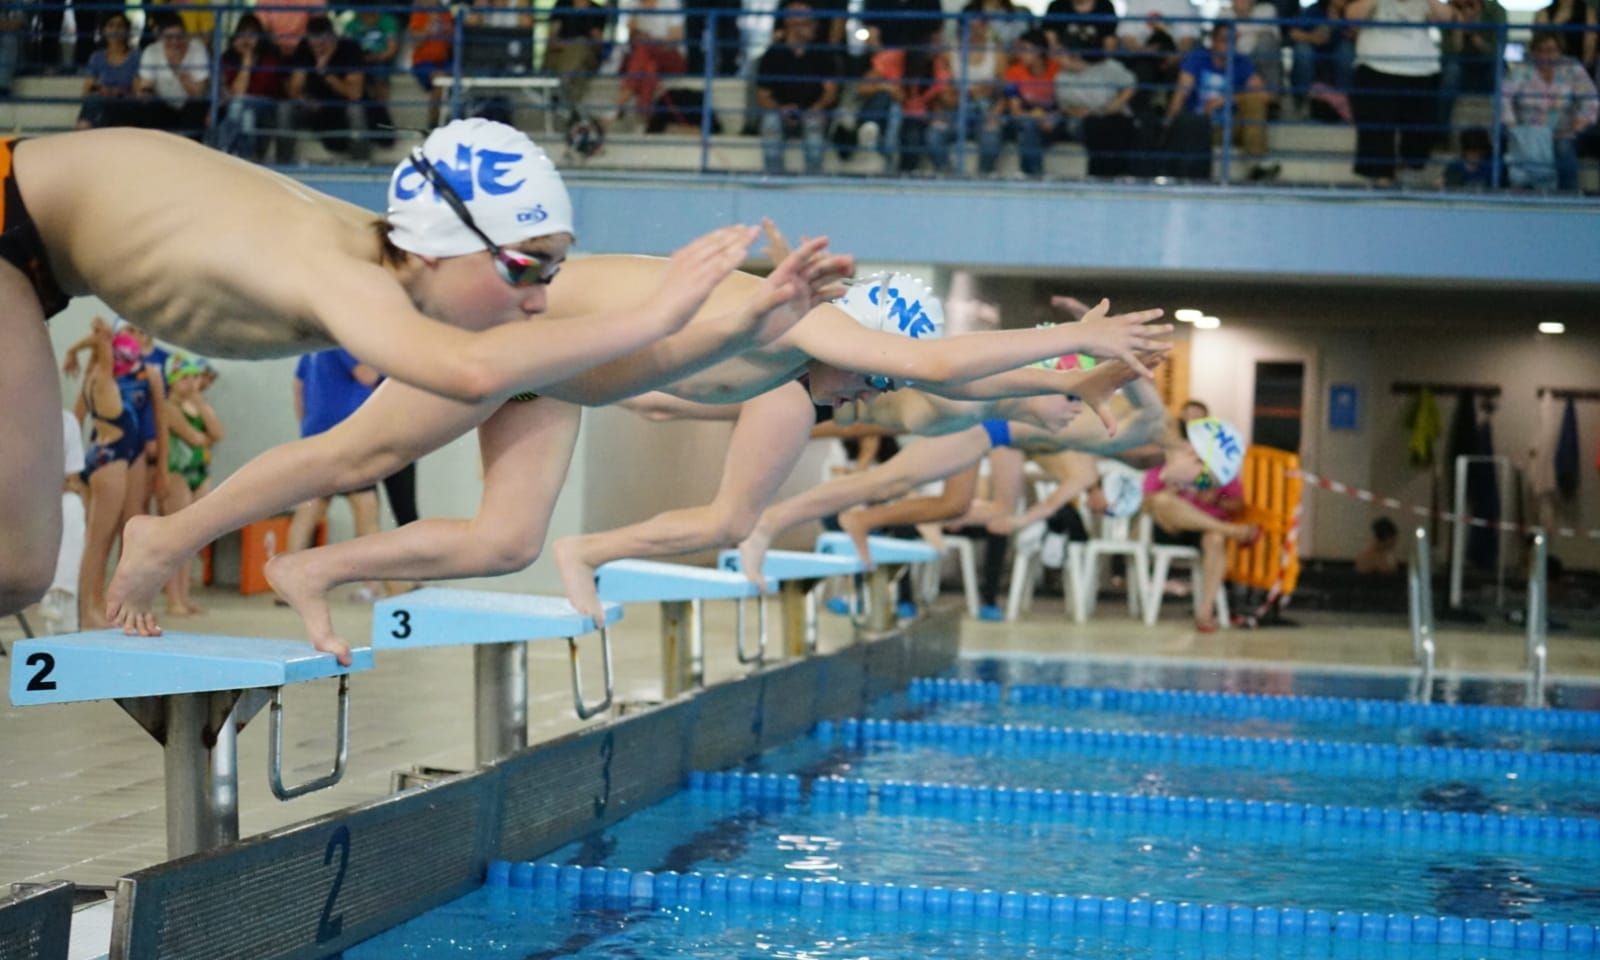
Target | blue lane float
(1377,713)
(1363,759)
(941,907)
(1390,826)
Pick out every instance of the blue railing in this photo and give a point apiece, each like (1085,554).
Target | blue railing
(889,93)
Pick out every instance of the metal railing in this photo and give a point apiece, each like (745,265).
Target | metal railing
(1538,618)
(1419,590)
(950,100)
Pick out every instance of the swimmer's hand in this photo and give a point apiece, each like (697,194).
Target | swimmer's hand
(695,270)
(1121,337)
(1096,387)
(806,277)
(826,273)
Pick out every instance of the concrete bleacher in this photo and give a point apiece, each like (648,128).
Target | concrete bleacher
(1308,152)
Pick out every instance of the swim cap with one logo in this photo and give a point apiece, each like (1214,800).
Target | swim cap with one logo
(507,183)
(1220,448)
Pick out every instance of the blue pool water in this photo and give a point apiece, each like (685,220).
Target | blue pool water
(1522,887)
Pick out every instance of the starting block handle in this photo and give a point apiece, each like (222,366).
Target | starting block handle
(275,734)
(761,631)
(585,710)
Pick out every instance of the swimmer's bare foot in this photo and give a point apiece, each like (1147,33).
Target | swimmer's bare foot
(90,617)
(290,575)
(148,561)
(577,577)
(851,523)
(753,554)
(181,610)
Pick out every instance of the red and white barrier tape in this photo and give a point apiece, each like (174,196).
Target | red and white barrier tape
(1391,503)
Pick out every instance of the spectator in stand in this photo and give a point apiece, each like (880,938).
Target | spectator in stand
(655,47)
(1470,58)
(286,21)
(796,86)
(985,68)
(197,16)
(112,75)
(1094,93)
(1261,42)
(378,37)
(910,88)
(902,28)
(1547,104)
(12,26)
(1323,54)
(1472,169)
(1207,82)
(1396,85)
(1582,45)
(431,27)
(325,89)
(1029,101)
(253,76)
(577,32)
(174,75)
(1081,25)
(1378,557)
(1154,40)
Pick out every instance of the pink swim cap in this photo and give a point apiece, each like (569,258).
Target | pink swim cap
(126,354)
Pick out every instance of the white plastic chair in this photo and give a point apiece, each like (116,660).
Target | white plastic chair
(1162,557)
(1117,537)
(1029,566)
(966,557)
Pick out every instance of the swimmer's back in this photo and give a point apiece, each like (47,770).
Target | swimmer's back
(198,247)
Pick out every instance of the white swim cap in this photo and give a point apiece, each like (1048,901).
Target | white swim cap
(1220,448)
(1122,486)
(508,184)
(894,303)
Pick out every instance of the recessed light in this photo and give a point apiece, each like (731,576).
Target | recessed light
(1551,326)
(1187,315)
(1207,323)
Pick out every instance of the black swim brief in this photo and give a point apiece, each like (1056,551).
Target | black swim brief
(20,243)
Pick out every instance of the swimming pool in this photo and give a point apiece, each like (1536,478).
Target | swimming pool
(977,839)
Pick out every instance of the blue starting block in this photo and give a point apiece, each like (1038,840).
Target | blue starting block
(682,591)
(798,573)
(891,559)
(498,627)
(193,693)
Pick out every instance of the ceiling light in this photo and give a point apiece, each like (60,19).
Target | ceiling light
(1551,326)
(1187,315)
(1207,323)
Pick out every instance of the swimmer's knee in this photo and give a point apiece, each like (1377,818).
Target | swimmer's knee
(501,554)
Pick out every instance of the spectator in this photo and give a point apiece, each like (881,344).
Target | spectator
(194,429)
(1582,45)
(1396,83)
(655,47)
(1472,169)
(286,21)
(910,89)
(113,389)
(1546,104)
(1261,42)
(173,75)
(253,75)
(1323,53)
(1094,92)
(430,28)
(1209,80)
(1081,25)
(378,37)
(726,36)
(328,387)
(902,27)
(325,89)
(1029,101)
(796,86)
(1154,40)
(985,67)
(12,26)
(197,17)
(1470,58)
(113,72)
(1377,558)
(577,32)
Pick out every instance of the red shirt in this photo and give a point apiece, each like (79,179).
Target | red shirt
(1035,90)
(920,95)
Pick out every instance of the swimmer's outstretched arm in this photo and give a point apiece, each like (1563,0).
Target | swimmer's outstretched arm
(807,277)
(913,466)
(1143,423)
(833,337)
(772,431)
(369,314)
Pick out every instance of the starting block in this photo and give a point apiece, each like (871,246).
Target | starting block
(891,558)
(798,574)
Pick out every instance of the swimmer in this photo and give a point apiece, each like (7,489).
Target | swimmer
(426,295)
